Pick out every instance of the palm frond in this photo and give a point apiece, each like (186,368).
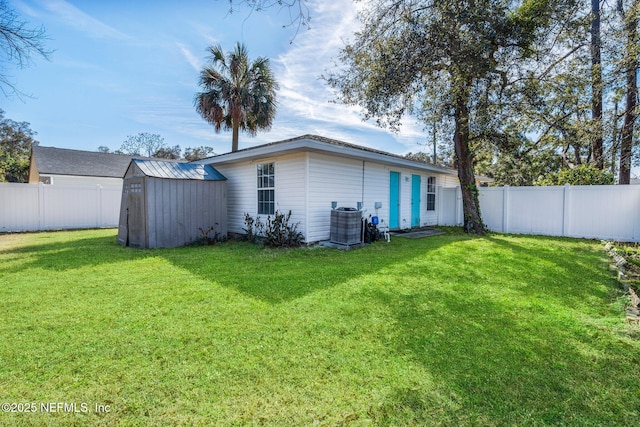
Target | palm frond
(236,91)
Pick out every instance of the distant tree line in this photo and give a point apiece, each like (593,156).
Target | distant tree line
(152,145)
(16,139)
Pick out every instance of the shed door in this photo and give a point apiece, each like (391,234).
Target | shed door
(394,200)
(136,214)
(415,200)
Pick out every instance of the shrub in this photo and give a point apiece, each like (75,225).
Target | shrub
(277,232)
(255,228)
(580,175)
(210,236)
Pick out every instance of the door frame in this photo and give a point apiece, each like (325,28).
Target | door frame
(394,200)
(416,184)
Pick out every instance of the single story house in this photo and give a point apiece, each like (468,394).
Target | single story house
(51,165)
(309,174)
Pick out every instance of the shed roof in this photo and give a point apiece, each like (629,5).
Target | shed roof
(174,170)
(62,161)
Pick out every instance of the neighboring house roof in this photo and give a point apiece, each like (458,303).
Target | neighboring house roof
(175,170)
(325,145)
(62,161)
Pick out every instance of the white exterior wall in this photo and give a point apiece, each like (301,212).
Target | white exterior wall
(426,217)
(340,179)
(331,179)
(307,183)
(449,181)
(376,189)
(290,178)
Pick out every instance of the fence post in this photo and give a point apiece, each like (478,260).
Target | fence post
(459,208)
(505,209)
(565,210)
(41,208)
(99,204)
(439,203)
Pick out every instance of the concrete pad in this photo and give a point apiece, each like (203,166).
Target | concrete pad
(418,233)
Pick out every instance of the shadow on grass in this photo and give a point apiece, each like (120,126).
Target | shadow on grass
(277,275)
(72,254)
(502,361)
(270,275)
(561,270)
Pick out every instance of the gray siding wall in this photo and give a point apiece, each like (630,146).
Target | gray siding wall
(177,209)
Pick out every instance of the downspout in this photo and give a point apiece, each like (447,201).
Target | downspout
(362,203)
(362,195)
(306,199)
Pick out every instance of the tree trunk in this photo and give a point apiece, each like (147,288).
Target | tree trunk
(614,140)
(470,202)
(234,138)
(596,85)
(630,22)
(235,128)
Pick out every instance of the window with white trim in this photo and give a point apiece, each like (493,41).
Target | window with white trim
(266,189)
(431,193)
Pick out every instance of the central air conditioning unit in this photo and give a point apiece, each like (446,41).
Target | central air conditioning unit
(346,226)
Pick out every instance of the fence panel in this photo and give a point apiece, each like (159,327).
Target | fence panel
(30,207)
(450,209)
(607,212)
(19,207)
(535,210)
(491,204)
(596,212)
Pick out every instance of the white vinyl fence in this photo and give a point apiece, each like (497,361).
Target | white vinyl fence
(450,206)
(27,207)
(610,212)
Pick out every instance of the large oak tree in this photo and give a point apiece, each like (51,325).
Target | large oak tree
(459,53)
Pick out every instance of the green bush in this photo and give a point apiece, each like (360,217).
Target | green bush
(580,175)
(277,232)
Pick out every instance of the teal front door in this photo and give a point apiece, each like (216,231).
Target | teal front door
(415,200)
(394,200)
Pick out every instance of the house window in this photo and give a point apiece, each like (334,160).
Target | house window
(266,189)
(431,193)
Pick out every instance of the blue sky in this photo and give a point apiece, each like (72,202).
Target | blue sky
(124,67)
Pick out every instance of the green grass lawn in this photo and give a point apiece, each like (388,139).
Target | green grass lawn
(445,330)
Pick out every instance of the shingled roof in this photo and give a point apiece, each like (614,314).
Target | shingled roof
(62,161)
(325,145)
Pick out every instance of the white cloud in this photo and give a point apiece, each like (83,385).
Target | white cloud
(192,59)
(305,96)
(81,21)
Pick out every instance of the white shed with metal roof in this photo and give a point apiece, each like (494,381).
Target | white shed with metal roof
(168,204)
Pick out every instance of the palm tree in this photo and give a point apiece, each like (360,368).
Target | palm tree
(236,93)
